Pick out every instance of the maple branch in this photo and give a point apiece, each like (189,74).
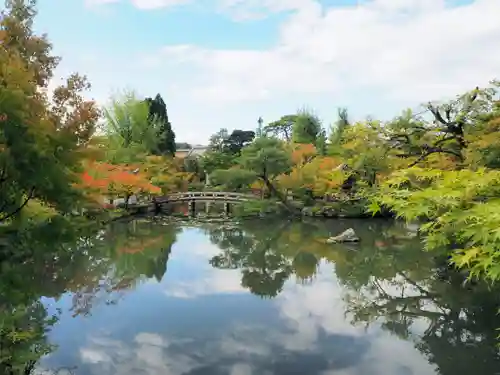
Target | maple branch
(30,195)
(435,150)
(437,114)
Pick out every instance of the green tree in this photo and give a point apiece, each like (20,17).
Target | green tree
(41,141)
(447,132)
(158,118)
(224,149)
(483,139)
(281,128)
(233,179)
(306,127)
(217,140)
(129,128)
(182,145)
(365,151)
(462,212)
(238,139)
(214,160)
(321,145)
(267,158)
(337,131)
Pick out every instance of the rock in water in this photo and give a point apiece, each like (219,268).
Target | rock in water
(346,236)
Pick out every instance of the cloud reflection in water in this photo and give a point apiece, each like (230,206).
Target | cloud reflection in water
(226,330)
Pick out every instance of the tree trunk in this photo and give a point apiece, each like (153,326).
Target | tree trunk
(277,193)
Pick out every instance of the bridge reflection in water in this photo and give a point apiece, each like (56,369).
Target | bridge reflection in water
(210,199)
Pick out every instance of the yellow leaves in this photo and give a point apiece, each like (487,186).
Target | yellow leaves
(17,81)
(486,140)
(382,177)
(294,179)
(374,207)
(158,160)
(494,124)
(258,185)
(20,336)
(440,161)
(38,210)
(318,174)
(166,173)
(465,257)
(329,182)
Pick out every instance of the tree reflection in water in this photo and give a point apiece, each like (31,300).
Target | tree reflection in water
(264,268)
(388,280)
(91,264)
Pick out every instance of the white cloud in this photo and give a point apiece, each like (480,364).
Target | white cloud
(93,3)
(240,9)
(376,58)
(194,257)
(116,357)
(140,4)
(411,49)
(308,310)
(94,356)
(153,339)
(211,281)
(311,320)
(153,4)
(245,10)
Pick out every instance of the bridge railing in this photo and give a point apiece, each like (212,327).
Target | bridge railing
(206,194)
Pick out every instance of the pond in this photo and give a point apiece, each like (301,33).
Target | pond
(259,297)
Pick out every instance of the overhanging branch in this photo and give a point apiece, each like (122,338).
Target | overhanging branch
(30,195)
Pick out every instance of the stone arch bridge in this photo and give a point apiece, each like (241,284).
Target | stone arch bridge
(157,204)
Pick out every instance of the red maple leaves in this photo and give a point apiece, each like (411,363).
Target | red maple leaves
(108,180)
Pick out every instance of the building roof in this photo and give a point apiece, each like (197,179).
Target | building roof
(196,150)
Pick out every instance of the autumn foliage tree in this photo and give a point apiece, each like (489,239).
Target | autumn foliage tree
(166,173)
(41,142)
(103,180)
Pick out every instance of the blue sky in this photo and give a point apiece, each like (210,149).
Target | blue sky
(224,63)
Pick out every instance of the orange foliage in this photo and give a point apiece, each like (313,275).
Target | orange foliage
(103,179)
(303,153)
(138,246)
(328,176)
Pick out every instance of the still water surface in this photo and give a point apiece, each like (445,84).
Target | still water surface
(264,298)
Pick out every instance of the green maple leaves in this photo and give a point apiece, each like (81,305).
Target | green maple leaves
(461,209)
